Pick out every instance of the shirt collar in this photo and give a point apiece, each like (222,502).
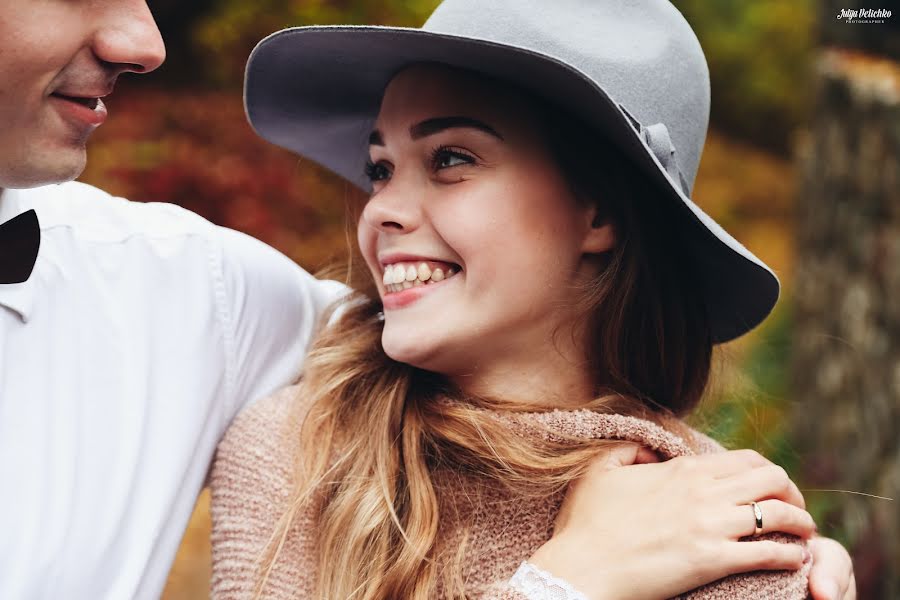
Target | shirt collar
(18,297)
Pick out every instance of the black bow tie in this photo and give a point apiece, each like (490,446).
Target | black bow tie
(20,239)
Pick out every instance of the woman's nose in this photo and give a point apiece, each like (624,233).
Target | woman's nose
(396,208)
(128,39)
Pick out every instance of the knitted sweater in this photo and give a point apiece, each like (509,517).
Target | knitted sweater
(253,473)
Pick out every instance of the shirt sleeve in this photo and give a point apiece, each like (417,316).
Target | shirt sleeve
(270,309)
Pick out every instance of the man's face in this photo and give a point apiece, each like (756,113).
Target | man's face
(57,59)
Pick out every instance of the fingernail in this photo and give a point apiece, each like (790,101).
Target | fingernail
(806,556)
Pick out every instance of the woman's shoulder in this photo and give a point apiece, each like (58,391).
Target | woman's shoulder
(671,437)
(251,481)
(266,430)
(255,463)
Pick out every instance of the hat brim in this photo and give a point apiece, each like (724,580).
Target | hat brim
(317,91)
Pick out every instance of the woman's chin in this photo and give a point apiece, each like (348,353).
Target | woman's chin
(414,349)
(403,347)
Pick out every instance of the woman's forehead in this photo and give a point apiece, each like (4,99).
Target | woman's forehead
(425,91)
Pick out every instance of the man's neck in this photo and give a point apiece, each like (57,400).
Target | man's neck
(9,207)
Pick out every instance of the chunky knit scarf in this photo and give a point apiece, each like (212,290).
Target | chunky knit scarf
(253,476)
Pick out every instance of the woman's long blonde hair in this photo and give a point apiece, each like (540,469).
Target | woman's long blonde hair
(376,430)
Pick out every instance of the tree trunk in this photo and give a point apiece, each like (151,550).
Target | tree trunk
(846,347)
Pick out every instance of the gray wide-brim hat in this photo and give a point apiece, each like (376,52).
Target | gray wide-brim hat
(617,65)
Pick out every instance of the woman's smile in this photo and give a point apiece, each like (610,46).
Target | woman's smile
(403,272)
(407,291)
(404,275)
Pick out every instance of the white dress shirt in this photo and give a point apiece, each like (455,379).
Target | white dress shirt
(141,333)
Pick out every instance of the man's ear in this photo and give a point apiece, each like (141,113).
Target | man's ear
(601,234)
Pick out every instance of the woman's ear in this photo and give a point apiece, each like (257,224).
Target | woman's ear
(601,234)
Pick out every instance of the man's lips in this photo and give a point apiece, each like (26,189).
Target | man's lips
(82,108)
(88,101)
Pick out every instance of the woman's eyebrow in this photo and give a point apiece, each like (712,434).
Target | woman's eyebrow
(436,125)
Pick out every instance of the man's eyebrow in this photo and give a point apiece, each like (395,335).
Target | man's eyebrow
(436,125)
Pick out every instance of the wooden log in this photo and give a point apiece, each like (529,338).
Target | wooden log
(846,347)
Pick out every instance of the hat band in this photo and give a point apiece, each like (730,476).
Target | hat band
(657,138)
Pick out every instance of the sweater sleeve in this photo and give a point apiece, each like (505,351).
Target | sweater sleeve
(758,585)
(532,583)
(251,482)
(503,591)
(754,585)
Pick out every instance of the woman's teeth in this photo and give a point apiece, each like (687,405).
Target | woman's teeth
(402,276)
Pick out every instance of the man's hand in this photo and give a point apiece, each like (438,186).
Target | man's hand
(831,575)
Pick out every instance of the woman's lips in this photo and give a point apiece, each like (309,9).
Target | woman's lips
(84,112)
(393,300)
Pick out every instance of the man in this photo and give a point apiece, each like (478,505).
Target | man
(139,333)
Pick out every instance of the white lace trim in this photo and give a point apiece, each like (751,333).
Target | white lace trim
(536,584)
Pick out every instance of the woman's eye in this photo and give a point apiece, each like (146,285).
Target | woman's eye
(444,158)
(377,171)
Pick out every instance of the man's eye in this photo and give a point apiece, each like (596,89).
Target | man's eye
(377,171)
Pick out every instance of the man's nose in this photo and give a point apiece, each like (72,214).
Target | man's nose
(128,39)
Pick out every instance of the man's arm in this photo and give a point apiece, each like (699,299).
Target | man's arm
(269,308)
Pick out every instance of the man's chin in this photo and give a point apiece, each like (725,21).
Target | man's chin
(46,169)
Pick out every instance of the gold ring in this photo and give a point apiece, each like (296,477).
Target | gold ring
(757,513)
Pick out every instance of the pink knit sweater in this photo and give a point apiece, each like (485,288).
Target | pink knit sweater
(253,476)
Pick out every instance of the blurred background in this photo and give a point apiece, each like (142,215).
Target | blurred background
(802,164)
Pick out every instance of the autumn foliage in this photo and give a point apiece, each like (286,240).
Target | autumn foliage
(196,149)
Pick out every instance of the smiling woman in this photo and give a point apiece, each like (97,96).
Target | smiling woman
(539,300)
(460,177)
